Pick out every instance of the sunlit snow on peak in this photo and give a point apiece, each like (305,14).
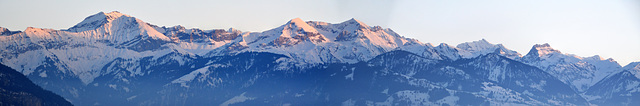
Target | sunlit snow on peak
(355,21)
(114,14)
(634,67)
(482,47)
(542,50)
(300,24)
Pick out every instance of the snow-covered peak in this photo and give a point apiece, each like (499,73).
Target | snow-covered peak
(2,29)
(5,31)
(429,44)
(448,51)
(233,30)
(102,15)
(634,68)
(353,25)
(475,45)
(116,28)
(293,32)
(444,45)
(295,20)
(540,50)
(481,47)
(580,72)
(476,48)
(113,15)
(34,32)
(32,29)
(599,58)
(507,52)
(299,24)
(355,22)
(178,27)
(96,21)
(38,33)
(319,42)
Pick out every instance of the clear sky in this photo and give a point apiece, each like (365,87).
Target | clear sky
(609,28)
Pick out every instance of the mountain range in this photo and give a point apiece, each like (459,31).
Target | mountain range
(116,59)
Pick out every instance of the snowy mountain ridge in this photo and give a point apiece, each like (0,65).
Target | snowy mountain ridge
(106,36)
(318,42)
(581,72)
(116,27)
(114,50)
(476,48)
(634,68)
(308,42)
(621,88)
(97,20)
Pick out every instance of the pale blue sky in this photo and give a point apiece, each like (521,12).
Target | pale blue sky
(610,28)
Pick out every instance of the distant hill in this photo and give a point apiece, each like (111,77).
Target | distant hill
(18,90)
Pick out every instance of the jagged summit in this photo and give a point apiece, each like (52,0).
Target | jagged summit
(448,51)
(481,47)
(113,15)
(598,57)
(444,45)
(634,68)
(294,32)
(475,45)
(96,21)
(353,25)
(299,24)
(581,72)
(117,27)
(355,22)
(2,30)
(5,31)
(540,50)
(117,54)
(296,20)
(234,30)
(37,31)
